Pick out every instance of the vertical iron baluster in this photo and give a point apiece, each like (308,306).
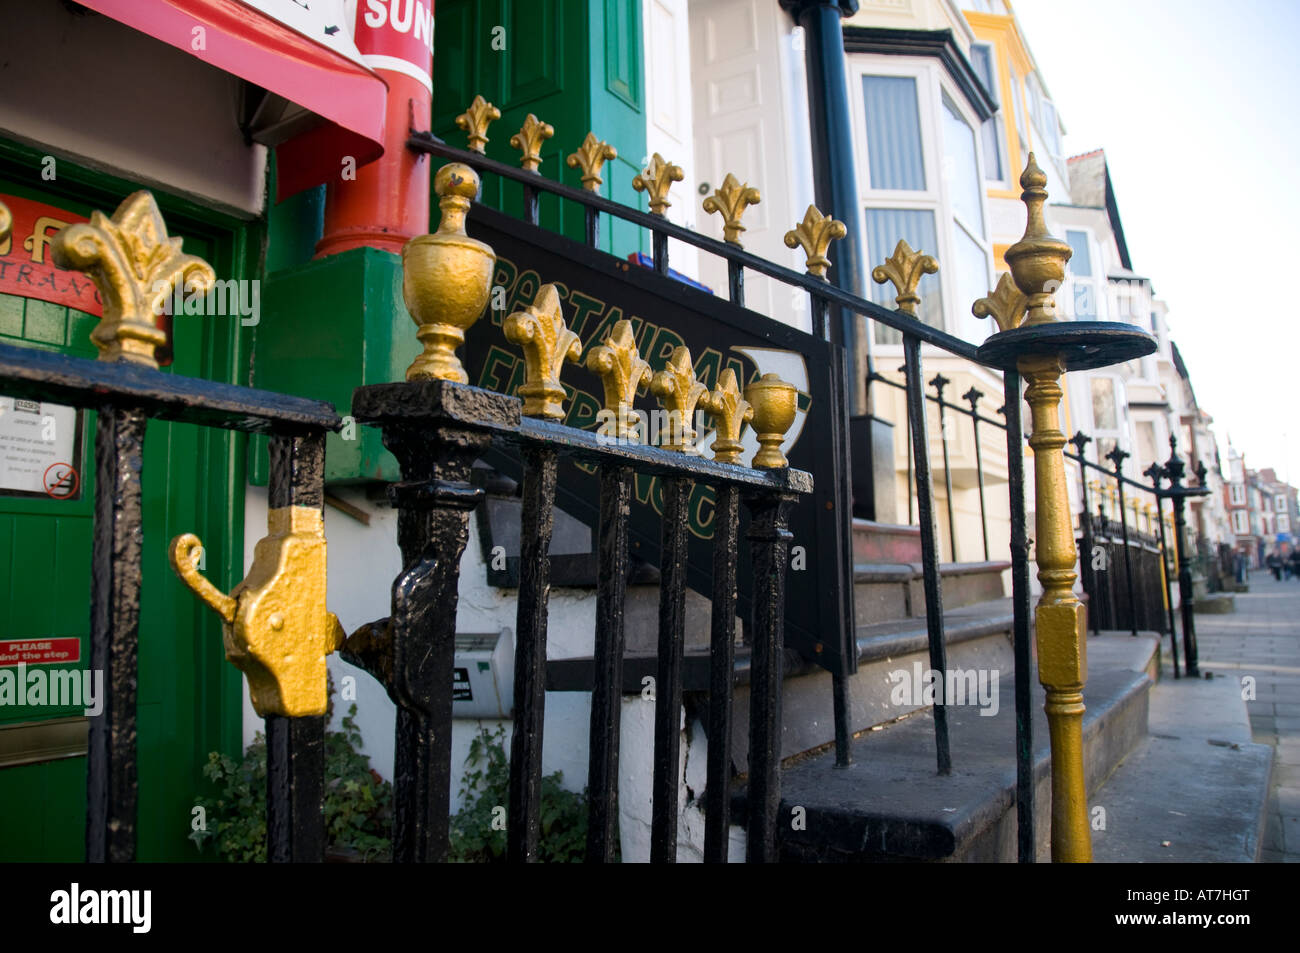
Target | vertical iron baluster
(974,396)
(1177,493)
(929,543)
(111,788)
(940,382)
(769,539)
(911,512)
(1156,472)
(295,747)
(722,657)
(536,525)
(1117,457)
(530,205)
(593,226)
(820,325)
(1087,573)
(736,282)
(659,246)
(668,684)
(1020,599)
(607,690)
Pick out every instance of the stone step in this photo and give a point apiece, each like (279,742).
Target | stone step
(885,542)
(884,591)
(891,804)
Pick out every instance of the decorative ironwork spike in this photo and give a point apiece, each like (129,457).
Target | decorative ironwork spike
(1005,304)
(972,397)
(679,392)
(731,412)
(591,156)
(1117,456)
(1037,261)
(528,140)
(547,343)
(1080,440)
(731,199)
(475,122)
(1155,473)
(624,373)
(775,403)
(939,382)
(446,279)
(136,266)
(904,268)
(656,180)
(815,234)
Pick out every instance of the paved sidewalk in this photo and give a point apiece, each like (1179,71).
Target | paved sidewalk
(1262,640)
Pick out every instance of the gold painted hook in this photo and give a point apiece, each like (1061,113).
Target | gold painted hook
(475,122)
(656,180)
(904,268)
(184,554)
(528,140)
(815,234)
(591,156)
(547,343)
(731,199)
(136,267)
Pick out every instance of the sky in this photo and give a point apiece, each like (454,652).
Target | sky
(1194,104)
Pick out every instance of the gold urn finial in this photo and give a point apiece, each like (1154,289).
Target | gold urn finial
(656,180)
(528,140)
(731,412)
(624,372)
(1038,260)
(591,156)
(547,343)
(731,200)
(679,392)
(446,279)
(904,268)
(815,234)
(136,266)
(1005,304)
(774,402)
(475,122)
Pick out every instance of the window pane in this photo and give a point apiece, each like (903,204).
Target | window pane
(1081,259)
(960,168)
(981,57)
(885,226)
(992,133)
(893,133)
(1104,416)
(972,282)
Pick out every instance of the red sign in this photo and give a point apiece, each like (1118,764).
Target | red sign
(60,480)
(39,652)
(25,266)
(397,35)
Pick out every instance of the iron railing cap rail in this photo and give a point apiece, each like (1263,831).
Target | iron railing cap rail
(83,382)
(427,143)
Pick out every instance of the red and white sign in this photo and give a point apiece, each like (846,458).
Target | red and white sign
(397,35)
(39,652)
(25,266)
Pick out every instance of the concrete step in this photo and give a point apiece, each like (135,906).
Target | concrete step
(885,591)
(1195,789)
(891,804)
(885,542)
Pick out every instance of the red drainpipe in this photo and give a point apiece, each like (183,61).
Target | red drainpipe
(387,203)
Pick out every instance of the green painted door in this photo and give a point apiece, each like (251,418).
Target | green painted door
(189,698)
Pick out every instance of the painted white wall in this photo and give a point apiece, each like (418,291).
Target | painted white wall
(111,98)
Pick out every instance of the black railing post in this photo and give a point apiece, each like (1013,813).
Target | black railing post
(1155,473)
(722,659)
(769,538)
(973,395)
(929,545)
(1117,457)
(1177,493)
(1080,440)
(1020,604)
(111,777)
(295,747)
(911,511)
(939,383)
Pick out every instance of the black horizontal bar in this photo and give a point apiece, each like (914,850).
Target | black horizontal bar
(44,375)
(935,400)
(424,142)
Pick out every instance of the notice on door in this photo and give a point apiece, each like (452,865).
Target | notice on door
(38,449)
(39,651)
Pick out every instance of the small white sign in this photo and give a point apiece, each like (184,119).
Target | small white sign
(38,448)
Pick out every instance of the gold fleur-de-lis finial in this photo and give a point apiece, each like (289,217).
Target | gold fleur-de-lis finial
(1038,260)
(656,180)
(624,372)
(679,392)
(731,200)
(6,221)
(731,412)
(475,122)
(1005,304)
(815,234)
(136,266)
(528,140)
(905,268)
(591,156)
(547,343)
